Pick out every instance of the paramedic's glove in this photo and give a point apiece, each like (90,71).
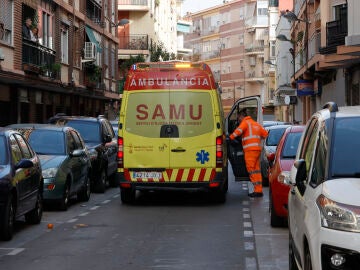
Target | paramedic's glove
(228,139)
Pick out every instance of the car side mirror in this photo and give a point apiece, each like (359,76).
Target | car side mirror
(77,153)
(107,138)
(271,157)
(24,164)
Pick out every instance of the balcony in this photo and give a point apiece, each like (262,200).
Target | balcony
(39,60)
(93,12)
(134,42)
(336,31)
(133,5)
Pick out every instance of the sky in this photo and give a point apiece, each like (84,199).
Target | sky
(197,5)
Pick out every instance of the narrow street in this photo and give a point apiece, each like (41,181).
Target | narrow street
(161,231)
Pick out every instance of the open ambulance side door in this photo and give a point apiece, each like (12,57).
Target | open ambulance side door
(235,151)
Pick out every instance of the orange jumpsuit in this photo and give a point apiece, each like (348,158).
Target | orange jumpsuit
(252,133)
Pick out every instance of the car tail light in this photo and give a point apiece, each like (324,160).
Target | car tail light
(219,152)
(50,186)
(120,154)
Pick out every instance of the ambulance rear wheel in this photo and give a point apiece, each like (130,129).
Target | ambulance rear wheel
(127,195)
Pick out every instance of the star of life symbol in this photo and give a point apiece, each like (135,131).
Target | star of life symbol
(202,156)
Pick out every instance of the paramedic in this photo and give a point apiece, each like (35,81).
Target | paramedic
(252,134)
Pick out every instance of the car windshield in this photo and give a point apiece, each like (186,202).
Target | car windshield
(47,142)
(90,131)
(291,145)
(346,148)
(274,136)
(3,151)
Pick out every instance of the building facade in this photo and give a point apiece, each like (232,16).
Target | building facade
(70,68)
(326,40)
(231,39)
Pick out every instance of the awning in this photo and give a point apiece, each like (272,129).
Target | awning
(92,38)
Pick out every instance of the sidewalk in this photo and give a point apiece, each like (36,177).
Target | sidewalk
(271,243)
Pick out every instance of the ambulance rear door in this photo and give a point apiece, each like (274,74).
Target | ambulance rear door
(235,151)
(193,147)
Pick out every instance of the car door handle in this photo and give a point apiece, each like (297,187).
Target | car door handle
(179,149)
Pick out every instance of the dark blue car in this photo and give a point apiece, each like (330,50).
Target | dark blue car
(21,182)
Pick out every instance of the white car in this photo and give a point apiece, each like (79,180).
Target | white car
(324,201)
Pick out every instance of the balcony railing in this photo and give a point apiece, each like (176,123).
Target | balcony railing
(336,31)
(134,42)
(133,2)
(38,59)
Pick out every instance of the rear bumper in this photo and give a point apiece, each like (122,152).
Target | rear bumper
(217,183)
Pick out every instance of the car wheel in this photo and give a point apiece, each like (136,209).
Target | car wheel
(307,262)
(113,180)
(219,195)
(84,194)
(101,186)
(35,215)
(7,220)
(128,195)
(64,203)
(275,220)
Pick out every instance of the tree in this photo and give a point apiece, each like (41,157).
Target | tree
(159,53)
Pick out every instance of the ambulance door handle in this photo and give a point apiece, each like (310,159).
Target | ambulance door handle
(179,149)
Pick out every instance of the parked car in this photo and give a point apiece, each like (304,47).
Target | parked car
(65,162)
(101,141)
(324,204)
(280,164)
(274,123)
(21,182)
(270,144)
(115,125)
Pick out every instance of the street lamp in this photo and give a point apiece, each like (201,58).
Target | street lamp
(282,37)
(122,22)
(291,16)
(269,63)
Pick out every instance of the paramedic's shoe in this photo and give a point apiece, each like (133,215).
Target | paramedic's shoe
(255,194)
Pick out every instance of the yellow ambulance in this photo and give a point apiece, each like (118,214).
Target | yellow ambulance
(171,131)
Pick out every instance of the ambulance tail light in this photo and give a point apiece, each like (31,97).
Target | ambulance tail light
(120,153)
(219,152)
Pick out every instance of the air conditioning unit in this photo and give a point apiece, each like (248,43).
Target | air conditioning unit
(90,51)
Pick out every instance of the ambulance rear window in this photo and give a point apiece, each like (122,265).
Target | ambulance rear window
(189,112)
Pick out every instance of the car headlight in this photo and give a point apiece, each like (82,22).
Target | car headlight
(338,216)
(49,173)
(284,177)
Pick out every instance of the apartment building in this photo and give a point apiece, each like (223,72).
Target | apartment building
(149,23)
(326,40)
(231,38)
(71,68)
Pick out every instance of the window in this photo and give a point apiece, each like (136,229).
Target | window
(15,150)
(46,39)
(262,11)
(24,147)
(64,44)
(6,21)
(272,48)
(318,171)
(309,144)
(3,151)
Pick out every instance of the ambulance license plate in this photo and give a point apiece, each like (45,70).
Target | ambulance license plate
(147,175)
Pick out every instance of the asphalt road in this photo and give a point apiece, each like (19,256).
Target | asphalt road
(161,231)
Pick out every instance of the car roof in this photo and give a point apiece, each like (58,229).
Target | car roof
(25,126)
(56,118)
(277,127)
(295,128)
